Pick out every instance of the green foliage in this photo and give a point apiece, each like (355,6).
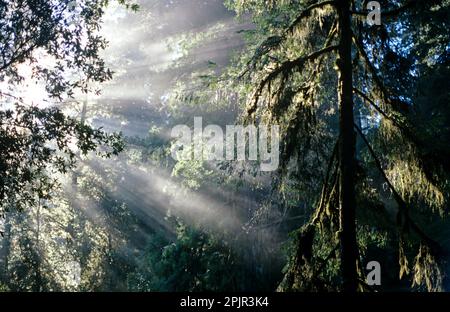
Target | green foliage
(290,68)
(36,141)
(195,261)
(46,237)
(97,228)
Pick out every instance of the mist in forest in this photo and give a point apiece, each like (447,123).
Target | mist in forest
(92,198)
(148,63)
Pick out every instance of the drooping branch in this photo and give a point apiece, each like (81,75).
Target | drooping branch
(402,205)
(273,42)
(326,193)
(306,13)
(331,176)
(403,128)
(397,105)
(332,33)
(371,102)
(308,85)
(284,69)
(380,110)
(402,108)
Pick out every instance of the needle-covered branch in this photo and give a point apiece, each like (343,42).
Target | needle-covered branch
(403,216)
(397,105)
(273,42)
(366,98)
(284,69)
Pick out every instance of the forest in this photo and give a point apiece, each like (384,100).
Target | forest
(224,146)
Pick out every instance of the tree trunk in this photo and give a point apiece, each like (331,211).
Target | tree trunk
(347,202)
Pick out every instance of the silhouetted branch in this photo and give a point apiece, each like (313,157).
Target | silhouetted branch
(379,109)
(402,205)
(385,94)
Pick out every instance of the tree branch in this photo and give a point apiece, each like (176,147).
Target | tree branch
(402,205)
(285,68)
(306,13)
(274,42)
(377,108)
(33,45)
(403,129)
(400,106)
(325,189)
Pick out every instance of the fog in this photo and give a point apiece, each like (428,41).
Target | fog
(151,51)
